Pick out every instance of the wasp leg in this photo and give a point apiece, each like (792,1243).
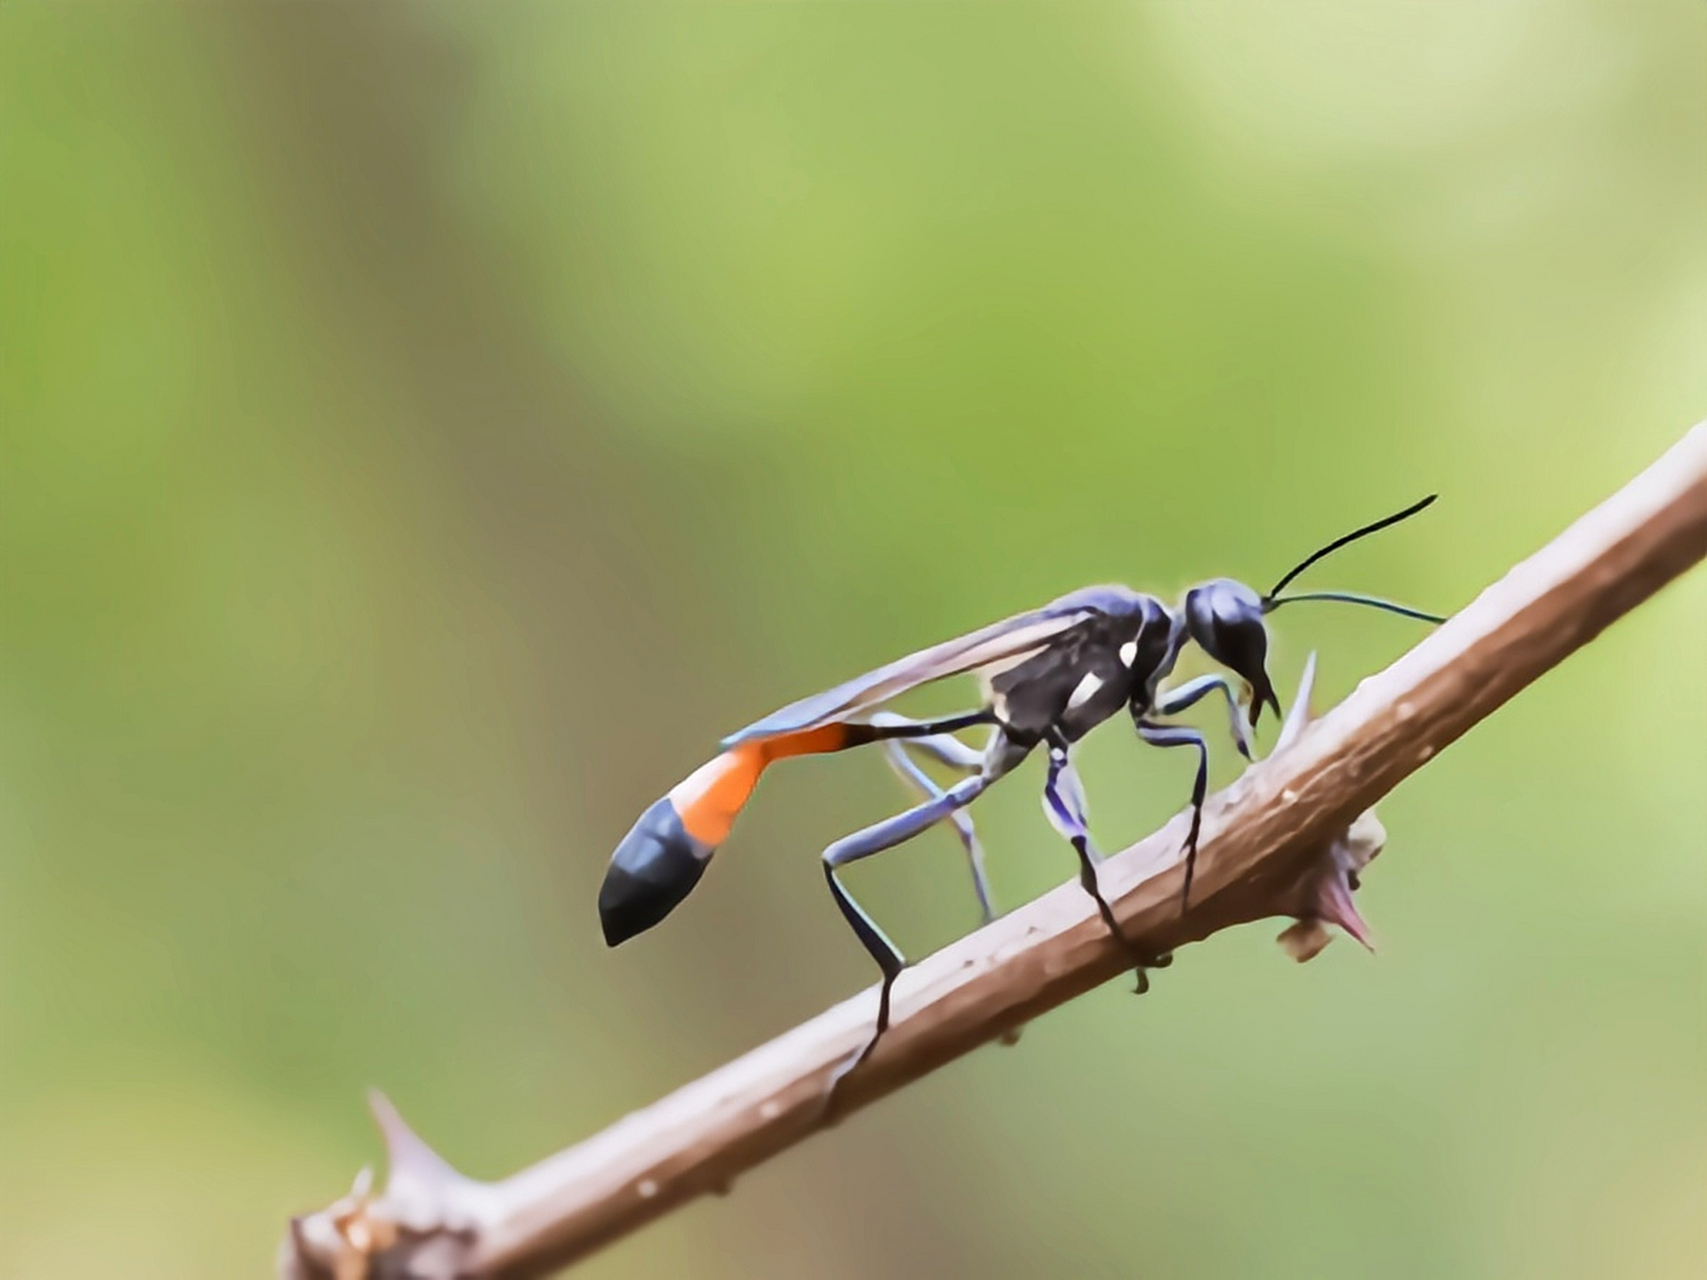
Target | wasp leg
(957,755)
(1173,701)
(999,758)
(875,839)
(1064,803)
(1175,735)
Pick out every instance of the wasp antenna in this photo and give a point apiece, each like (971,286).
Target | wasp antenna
(1350,597)
(1269,601)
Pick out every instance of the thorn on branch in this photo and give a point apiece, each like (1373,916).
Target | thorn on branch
(1322,894)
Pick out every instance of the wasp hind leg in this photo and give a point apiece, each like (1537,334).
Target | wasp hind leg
(863,844)
(958,756)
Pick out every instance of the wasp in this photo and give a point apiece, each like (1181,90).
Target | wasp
(1049,676)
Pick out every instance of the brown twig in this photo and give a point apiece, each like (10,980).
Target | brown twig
(1285,840)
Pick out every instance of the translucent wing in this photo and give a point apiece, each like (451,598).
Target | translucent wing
(1008,640)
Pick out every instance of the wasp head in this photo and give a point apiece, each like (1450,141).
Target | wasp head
(1225,618)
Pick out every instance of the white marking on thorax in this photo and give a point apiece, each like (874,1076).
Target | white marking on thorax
(1085,691)
(1129,653)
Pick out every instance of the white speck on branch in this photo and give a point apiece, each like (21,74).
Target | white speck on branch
(1286,839)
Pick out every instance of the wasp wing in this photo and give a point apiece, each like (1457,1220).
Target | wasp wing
(1011,639)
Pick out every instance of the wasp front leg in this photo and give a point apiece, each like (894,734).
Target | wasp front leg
(1173,701)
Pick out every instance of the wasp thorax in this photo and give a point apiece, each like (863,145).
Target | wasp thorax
(1225,618)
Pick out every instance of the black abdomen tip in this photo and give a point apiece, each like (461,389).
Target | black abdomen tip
(655,867)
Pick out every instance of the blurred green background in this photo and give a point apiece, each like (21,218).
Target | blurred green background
(428,429)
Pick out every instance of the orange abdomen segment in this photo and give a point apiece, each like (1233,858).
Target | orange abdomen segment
(710,797)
